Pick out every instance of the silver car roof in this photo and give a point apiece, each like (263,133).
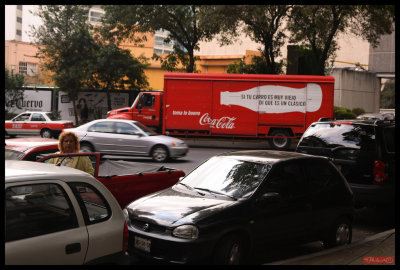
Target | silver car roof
(17,170)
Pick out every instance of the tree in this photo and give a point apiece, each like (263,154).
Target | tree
(388,95)
(13,89)
(186,24)
(257,66)
(263,24)
(318,26)
(115,68)
(65,45)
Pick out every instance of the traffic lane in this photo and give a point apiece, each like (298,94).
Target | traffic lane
(194,158)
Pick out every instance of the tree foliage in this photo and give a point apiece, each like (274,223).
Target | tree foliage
(116,68)
(65,46)
(79,58)
(264,25)
(186,24)
(12,89)
(388,95)
(318,27)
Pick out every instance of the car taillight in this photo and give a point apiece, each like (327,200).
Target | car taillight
(379,172)
(125,238)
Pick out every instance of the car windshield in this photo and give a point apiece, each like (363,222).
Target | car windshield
(13,154)
(334,135)
(145,129)
(52,116)
(227,176)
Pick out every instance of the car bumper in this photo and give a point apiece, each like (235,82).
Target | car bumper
(170,249)
(176,152)
(372,194)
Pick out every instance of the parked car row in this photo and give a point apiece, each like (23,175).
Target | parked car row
(224,209)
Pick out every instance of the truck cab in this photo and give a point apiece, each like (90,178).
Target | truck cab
(146,109)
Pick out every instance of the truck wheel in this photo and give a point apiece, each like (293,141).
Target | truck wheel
(46,133)
(339,234)
(86,147)
(159,153)
(280,143)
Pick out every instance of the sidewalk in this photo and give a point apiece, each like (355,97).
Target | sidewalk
(376,249)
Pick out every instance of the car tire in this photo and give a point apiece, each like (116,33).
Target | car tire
(46,133)
(280,143)
(159,153)
(339,234)
(87,147)
(230,251)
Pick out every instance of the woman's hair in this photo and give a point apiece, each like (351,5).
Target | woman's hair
(65,134)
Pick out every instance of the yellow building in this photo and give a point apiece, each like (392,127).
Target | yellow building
(20,57)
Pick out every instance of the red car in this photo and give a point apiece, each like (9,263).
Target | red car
(45,124)
(30,149)
(126,180)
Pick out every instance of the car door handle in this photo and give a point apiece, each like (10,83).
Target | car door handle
(73,248)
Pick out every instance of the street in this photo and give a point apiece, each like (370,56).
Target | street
(368,220)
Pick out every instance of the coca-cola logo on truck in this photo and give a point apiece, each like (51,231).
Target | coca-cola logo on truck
(224,122)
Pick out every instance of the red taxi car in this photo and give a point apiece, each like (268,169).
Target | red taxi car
(45,124)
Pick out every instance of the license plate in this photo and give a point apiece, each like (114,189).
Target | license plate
(142,244)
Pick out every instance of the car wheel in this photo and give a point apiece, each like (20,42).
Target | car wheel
(340,233)
(45,133)
(86,147)
(280,143)
(159,153)
(230,251)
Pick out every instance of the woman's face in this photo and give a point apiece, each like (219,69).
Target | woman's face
(69,144)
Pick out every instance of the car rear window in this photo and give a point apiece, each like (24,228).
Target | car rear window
(329,135)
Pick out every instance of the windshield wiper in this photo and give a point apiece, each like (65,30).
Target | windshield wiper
(216,192)
(191,188)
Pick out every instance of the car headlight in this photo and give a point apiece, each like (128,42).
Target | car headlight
(186,231)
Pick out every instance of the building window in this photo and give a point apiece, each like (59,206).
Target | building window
(19,19)
(19,33)
(29,69)
(19,7)
(95,16)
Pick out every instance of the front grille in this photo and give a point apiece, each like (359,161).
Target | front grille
(147,227)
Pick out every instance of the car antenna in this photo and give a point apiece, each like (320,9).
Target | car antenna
(59,163)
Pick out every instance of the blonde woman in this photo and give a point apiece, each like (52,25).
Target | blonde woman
(69,143)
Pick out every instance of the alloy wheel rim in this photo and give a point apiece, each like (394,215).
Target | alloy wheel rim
(343,234)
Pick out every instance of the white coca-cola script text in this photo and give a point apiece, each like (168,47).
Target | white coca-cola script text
(223,122)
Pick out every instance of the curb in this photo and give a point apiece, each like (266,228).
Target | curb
(302,260)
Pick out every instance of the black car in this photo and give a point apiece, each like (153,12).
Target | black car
(365,152)
(238,201)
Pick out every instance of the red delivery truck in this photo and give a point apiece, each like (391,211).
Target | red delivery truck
(274,107)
